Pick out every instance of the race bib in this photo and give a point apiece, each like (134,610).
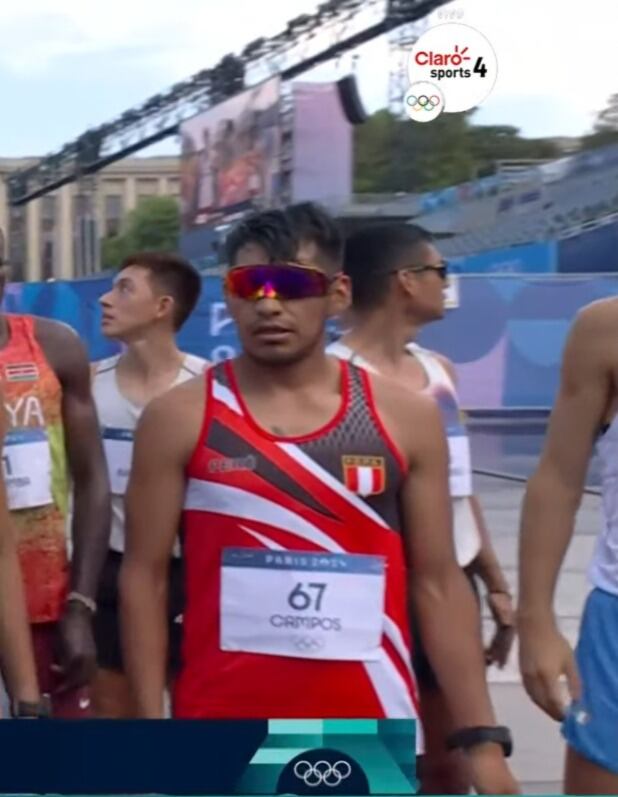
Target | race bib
(304,605)
(118,444)
(460,469)
(26,464)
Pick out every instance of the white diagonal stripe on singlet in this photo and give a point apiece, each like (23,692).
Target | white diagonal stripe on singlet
(393,693)
(330,481)
(266,541)
(225,396)
(395,636)
(225,499)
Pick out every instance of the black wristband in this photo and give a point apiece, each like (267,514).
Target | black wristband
(471,737)
(21,709)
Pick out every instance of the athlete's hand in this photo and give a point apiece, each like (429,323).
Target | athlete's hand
(544,657)
(501,607)
(76,652)
(489,771)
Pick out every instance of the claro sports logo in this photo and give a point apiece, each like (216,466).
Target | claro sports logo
(459,60)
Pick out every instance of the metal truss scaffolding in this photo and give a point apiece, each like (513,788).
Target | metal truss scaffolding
(308,40)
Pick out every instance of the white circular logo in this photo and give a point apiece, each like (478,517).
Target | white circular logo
(322,772)
(423,101)
(458,59)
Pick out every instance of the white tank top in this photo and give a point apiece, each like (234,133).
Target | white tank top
(118,418)
(603,571)
(441,388)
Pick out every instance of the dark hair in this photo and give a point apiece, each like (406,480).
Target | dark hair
(270,229)
(371,255)
(175,275)
(314,223)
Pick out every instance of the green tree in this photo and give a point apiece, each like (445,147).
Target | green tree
(374,145)
(607,119)
(605,129)
(154,225)
(434,155)
(394,154)
(492,143)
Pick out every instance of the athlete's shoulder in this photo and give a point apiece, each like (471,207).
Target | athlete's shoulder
(172,421)
(405,403)
(441,359)
(341,351)
(62,347)
(448,366)
(57,336)
(107,365)
(179,399)
(195,365)
(408,415)
(50,328)
(600,316)
(592,343)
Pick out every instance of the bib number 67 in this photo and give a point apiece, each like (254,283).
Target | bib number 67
(302,599)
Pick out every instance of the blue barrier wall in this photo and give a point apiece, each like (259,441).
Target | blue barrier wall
(505,338)
(593,251)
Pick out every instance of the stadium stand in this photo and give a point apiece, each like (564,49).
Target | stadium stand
(555,200)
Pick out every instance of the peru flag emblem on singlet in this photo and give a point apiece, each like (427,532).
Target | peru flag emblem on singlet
(364,475)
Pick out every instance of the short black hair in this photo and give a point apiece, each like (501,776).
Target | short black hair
(270,229)
(175,275)
(372,253)
(313,222)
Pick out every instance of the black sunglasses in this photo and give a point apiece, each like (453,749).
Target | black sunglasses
(441,270)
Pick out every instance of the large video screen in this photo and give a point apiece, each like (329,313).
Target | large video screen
(230,156)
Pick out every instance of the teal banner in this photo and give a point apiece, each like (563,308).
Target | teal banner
(354,757)
(200,757)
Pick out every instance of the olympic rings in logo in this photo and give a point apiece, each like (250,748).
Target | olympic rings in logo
(423,102)
(322,772)
(308,643)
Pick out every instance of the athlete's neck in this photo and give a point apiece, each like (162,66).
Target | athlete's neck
(284,377)
(151,357)
(378,337)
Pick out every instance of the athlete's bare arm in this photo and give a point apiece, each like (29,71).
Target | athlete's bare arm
(164,441)
(585,400)
(442,599)
(488,567)
(16,653)
(91,496)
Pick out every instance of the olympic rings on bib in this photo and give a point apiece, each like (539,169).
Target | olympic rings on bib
(307,643)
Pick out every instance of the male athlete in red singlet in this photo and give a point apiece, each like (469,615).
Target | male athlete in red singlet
(312,499)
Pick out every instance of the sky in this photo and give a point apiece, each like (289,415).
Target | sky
(67,65)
